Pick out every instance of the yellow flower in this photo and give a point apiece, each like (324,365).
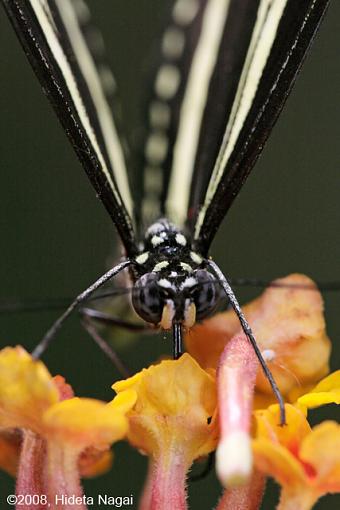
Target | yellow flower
(26,390)
(83,422)
(289,327)
(327,391)
(304,461)
(171,422)
(56,429)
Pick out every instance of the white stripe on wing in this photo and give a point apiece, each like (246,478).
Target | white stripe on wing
(192,108)
(90,75)
(268,19)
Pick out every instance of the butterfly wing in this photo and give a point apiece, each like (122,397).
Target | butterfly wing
(65,51)
(230,68)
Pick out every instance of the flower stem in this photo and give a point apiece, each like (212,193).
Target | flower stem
(64,488)
(165,487)
(30,479)
(247,497)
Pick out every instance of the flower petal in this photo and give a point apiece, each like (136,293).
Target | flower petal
(276,461)
(84,422)
(305,461)
(321,449)
(124,401)
(326,392)
(289,435)
(288,324)
(170,422)
(175,399)
(26,389)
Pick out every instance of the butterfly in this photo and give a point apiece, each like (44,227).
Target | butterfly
(225,70)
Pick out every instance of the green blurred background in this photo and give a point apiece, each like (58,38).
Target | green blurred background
(56,237)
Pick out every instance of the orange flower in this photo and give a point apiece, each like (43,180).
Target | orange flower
(289,327)
(304,461)
(55,432)
(274,460)
(171,422)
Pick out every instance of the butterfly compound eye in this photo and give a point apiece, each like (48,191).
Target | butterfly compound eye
(147,299)
(205,294)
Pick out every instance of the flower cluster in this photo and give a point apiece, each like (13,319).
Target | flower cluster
(49,438)
(214,397)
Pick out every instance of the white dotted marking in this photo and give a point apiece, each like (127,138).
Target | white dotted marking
(156,241)
(180,239)
(159,114)
(185,11)
(186,267)
(161,265)
(163,282)
(195,257)
(156,147)
(189,282)
(173,43)
(156,228)
(167,81)
(173,274)
(142,258)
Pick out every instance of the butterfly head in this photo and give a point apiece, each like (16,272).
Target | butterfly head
(172,283)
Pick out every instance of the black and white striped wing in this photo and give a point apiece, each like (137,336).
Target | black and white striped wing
(227,67)
(65,52)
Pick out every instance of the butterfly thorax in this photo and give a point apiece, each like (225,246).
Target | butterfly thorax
(172,282)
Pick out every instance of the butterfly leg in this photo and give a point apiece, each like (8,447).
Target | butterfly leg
(51,333)
(249,334)
(106,348)
(110,320)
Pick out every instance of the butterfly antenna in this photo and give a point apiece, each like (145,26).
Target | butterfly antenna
(324,286)
(249,334)
(51,333)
